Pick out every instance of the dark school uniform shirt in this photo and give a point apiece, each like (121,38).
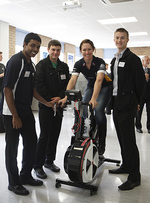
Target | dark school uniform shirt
(19,76)
(97,65)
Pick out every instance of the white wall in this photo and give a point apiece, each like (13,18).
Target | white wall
(4,41)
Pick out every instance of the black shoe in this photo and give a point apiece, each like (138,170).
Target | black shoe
(18,189)
(32,181)
(52,167)
(129,185)
(148,130)
(40,173)
(118,171)
(139,130)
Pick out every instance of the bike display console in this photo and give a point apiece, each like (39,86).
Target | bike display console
(81,159)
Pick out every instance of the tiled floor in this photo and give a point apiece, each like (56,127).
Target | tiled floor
(107,183)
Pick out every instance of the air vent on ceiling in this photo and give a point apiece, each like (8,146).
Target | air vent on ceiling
(108,2)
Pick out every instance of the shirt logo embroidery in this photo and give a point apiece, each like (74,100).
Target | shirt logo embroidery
(27,74)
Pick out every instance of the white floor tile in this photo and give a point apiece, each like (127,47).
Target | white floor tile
(107,183)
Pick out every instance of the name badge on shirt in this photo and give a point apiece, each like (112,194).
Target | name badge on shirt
(63,77)
(121,64)
(27,74)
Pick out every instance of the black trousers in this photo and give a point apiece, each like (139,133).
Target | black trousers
(139,113)
(47,144)
(29,138)
(124,124)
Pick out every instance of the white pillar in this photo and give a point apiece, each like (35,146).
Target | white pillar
(4,41)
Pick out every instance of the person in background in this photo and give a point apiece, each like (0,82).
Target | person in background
(145,99)
(2,68)
(128,86)
(52,76)
(98,89)
(18,117)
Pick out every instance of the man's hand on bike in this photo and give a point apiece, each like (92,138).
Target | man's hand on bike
(61,102)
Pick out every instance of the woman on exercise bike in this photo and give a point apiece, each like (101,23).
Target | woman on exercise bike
(98,88)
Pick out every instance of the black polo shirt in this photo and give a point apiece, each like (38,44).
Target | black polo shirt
(19,76)
(97,65)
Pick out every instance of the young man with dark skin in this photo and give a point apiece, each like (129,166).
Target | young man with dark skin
(128,85)
(51,79)
(18,117)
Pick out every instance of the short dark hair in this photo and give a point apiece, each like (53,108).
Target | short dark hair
(123,30)
(87,41)
(1,52)
(54,42)
(33,36)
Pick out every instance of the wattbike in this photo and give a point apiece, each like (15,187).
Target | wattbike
(82,159)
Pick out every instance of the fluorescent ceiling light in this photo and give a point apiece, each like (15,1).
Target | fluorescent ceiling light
(141,43)
(58,26)
(118,20)
(3,2)
(138,33)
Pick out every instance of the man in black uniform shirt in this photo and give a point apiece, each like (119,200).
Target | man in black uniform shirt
(18,117)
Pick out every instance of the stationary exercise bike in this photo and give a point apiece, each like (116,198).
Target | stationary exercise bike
(82,159)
